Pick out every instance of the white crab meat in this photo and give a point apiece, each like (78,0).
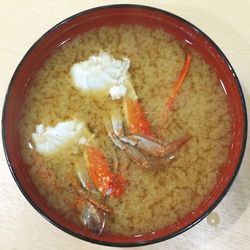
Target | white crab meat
(116,92)
(49,140)
(101,73)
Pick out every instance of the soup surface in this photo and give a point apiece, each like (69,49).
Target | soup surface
(152,198)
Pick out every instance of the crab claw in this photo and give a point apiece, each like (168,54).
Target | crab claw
(93,211)
(157,148)
(145,151)
(136,156)
(103,178)
(93,219)
(114,135)
(134,114)
(135,117)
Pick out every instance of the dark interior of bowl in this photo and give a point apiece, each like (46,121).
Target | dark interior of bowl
(113,16)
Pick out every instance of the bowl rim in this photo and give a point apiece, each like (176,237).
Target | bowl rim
(148,242)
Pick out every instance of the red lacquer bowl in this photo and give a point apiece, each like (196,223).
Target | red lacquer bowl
(113,16)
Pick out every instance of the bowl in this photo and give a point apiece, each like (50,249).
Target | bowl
(112,16)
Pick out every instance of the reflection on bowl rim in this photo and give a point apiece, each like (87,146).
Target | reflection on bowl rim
(202,216)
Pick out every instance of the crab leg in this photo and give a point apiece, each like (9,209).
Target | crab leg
(93,218)
(94,202)
(134,114)
(178,84)
(116,120)
(157,148)
(83,176)
(145,151)
(103,178)
(136,156)
(92,210)
(123,143)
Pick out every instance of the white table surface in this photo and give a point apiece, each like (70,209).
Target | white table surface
(227,22)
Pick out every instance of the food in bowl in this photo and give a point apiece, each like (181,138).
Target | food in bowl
(132,150)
